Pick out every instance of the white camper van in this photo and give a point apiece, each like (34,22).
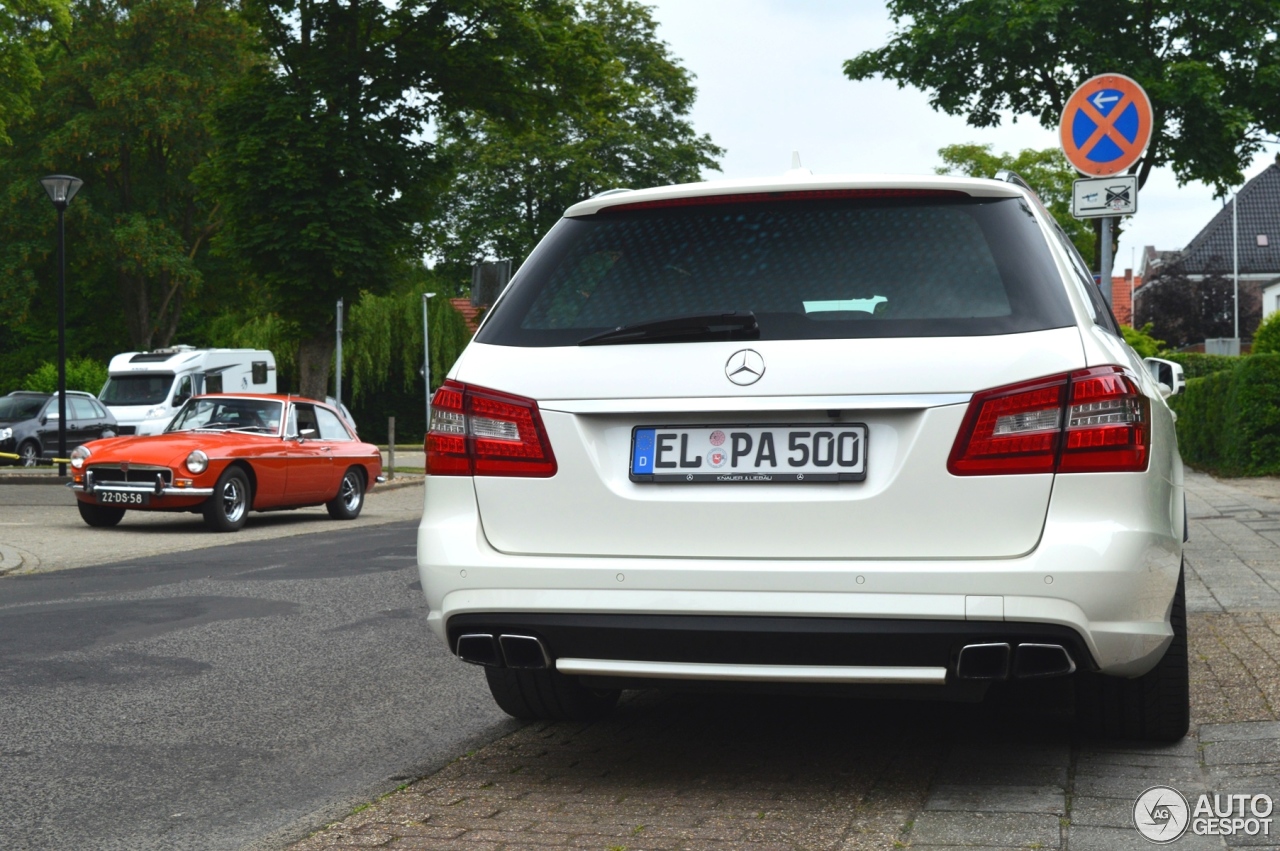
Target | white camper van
(145,389)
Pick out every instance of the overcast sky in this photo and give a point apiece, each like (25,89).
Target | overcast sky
(769,82)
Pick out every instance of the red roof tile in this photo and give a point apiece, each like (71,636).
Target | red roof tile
(469,314)
(1121,297)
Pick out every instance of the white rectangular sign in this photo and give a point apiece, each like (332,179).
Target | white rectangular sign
(1105,196)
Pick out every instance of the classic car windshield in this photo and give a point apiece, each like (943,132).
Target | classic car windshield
(261,416)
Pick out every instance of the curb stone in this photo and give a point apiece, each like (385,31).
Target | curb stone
(13,560)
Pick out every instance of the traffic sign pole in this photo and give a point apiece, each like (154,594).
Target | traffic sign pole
(1106,127)
(1107,260)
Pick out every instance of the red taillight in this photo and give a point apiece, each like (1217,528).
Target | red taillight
(794,195)
(1108,424)
(480,432)
(1089,421)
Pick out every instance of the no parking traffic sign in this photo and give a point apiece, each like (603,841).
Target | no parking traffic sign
(1106,125)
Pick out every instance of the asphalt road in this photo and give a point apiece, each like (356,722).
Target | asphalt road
(224,698)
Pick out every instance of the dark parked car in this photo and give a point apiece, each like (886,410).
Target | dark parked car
(29,424)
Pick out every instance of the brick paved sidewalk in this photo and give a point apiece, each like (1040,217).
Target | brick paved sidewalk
(707,772)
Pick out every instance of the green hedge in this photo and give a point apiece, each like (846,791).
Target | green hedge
(1197,365)
(1229,421)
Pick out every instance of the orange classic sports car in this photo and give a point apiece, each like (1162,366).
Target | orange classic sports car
(224,455)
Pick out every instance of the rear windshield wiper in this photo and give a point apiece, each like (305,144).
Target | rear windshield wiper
(699,326)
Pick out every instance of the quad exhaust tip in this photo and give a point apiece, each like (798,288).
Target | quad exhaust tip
(511,651)
(999,661)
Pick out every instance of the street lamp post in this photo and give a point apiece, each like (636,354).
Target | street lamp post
(426,357)
(62,188)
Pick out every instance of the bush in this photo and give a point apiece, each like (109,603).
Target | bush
(1229,422)
(1141,341)
(1266,340)
(1197,365)
(84,374)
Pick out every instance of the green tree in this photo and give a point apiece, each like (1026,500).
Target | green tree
(121,104)
(1212,71)
(325,169)
(630,131)
(1047,171)
(27,28)
(384,346)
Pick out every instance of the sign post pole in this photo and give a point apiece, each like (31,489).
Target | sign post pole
(426,357)
(1107,259)
(337,381)
(1105,129)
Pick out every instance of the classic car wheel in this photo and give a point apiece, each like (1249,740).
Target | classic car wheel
(102,516)
(29,454)
(350,499)
(227,509)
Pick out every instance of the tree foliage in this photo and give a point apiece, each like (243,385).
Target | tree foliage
(1142,341)
(1266,339)
(1213,72)
(1186,310)
(84,374)
(1047,172)
(386,340)
(121,103)
(629,130)
(27,29)
(324,166)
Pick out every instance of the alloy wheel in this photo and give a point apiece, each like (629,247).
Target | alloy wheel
(233,502)
(350,492)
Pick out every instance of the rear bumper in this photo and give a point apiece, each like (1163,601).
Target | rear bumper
(1101,579)
(760,649)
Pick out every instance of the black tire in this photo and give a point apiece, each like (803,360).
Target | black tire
(29,454)
(547,695)
(228,507)
(350,499)
(1154,707)
(101,516)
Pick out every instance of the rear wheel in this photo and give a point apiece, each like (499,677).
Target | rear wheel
(227,508)
(102,516)
(28,454)
(547,695)
(1155,706)
(350,499)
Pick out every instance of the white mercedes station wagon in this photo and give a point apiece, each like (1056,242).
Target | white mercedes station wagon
(869,433)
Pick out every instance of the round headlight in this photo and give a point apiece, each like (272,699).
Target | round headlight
(197,461)
(79,455)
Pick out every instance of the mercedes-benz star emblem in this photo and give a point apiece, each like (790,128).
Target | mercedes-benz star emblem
(745,366)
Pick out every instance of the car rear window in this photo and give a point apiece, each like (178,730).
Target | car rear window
(808,270)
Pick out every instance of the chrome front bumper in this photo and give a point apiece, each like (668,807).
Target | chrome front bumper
(157,489)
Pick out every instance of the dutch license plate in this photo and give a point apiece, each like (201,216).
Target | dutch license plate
(802,454)
(126,498)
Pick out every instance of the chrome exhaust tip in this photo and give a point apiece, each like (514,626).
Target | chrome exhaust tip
(479,649)
(524,651)
(983,662)
(1042,660)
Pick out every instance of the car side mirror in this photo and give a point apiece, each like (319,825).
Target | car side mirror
(52,415)
(308,434)
(1165,390)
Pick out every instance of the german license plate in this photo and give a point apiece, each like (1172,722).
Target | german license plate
(126,498)
(799,454)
